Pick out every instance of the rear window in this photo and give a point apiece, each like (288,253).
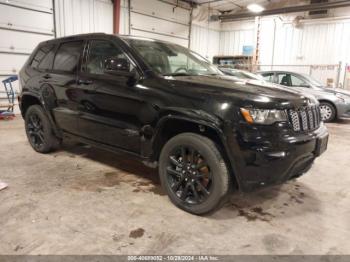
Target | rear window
(67,56)
(44,57)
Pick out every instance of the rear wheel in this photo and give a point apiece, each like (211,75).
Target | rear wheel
(328,112)
(193,173)
(39,131)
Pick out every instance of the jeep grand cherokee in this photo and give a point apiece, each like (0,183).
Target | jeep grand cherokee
(206,132)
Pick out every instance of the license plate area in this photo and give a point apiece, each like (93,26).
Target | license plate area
(321,145)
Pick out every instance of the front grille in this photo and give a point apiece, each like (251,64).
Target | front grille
(305,119)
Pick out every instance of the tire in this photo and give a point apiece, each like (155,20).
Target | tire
(328,112)
(39,130)
(212,179)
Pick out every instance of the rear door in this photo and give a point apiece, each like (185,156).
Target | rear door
(63,79)
(110,105)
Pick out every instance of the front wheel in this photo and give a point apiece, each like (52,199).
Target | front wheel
(193,173)
(328,112)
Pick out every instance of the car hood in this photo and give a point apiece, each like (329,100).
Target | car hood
(243,92)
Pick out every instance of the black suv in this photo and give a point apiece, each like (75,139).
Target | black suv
(208,133)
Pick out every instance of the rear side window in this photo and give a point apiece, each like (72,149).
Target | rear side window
(44,57)
(67,56)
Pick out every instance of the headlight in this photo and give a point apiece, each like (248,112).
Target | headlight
(263,116)
(341,97)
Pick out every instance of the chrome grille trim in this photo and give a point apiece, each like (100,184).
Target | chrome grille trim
(305,119)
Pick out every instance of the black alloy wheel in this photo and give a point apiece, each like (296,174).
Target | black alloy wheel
(193,173)
(35,131)
(188,175)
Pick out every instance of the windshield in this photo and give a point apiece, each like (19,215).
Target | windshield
(172,60)
(313,81)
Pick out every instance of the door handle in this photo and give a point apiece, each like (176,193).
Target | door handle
(84,82)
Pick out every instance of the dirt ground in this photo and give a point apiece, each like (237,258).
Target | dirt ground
(81,200)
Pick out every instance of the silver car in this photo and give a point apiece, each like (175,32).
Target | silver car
(334,102)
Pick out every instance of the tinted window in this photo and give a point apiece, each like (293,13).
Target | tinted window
(99,51)
(67,56)
(44,57)
(268,77)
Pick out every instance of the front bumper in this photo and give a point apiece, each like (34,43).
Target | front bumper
(260,156)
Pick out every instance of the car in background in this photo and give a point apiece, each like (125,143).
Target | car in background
(241,74)
(334,102)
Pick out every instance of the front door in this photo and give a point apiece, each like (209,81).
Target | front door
(110,104)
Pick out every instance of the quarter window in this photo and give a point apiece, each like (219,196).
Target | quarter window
(67,56)
(44,57)
(100,50)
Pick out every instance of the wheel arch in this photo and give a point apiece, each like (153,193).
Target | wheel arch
(29,99)
(171,126)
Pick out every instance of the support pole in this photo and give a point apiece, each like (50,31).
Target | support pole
(116,16)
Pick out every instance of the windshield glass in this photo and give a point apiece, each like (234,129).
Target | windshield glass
(172,60)
(313,81)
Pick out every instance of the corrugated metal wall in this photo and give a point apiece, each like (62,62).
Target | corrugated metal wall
(232,42)
(205,41)
(315,42)
(83,16)
(312,42)
(161,20)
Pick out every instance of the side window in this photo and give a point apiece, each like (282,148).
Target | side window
(296,81)
(284,79)
(67,56)
(99,51)
(44,57)
(268,77)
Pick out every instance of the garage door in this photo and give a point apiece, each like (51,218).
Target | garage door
(23,24)
(160,20)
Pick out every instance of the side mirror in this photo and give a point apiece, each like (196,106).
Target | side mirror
(118,66)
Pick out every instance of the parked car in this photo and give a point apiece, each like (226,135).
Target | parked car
(334,102)
(241,74)
(169,107)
